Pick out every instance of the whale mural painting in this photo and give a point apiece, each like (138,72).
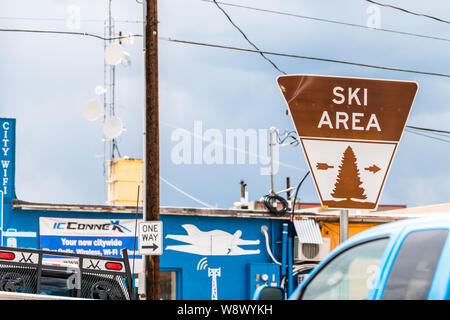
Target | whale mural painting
(211,243)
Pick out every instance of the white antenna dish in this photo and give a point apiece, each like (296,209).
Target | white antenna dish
(114,54)
(112,127)
(93,110)
(126,61)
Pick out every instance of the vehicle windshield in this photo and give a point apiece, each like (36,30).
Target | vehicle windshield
(349,275)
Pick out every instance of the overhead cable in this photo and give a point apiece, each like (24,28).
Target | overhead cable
(65,19)
(428,129)
(187,194)
(270,202)
(306,57)
(238,49)
(329,21)
(408,11)
(250,50)
(246,38)
(427,136)
(68,33)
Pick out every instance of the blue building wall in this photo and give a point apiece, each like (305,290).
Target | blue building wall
(234,263)
(204,250)
(213,251)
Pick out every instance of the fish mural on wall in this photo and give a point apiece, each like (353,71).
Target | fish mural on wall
(211,243)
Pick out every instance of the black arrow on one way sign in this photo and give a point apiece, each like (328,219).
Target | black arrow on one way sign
(153,246)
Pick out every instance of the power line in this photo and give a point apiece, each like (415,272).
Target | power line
(246,38)
(187,194)
(281,138)
(428,129)
(408,11)
(65,19)
(432,133)
(330,21)
(425,135)
(254,9)
(306,57)
(68,33)
(239,49)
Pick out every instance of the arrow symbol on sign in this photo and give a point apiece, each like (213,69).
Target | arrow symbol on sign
(323,166)
(153,246)
(373,168)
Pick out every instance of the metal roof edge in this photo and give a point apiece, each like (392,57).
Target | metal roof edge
(330,216)
(240,213)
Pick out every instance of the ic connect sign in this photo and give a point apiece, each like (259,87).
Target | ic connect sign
(349,130)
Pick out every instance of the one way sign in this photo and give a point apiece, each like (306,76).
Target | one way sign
(150,238)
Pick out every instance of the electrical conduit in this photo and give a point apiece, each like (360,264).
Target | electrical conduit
(269,251)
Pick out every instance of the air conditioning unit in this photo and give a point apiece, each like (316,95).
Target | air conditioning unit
(311,251)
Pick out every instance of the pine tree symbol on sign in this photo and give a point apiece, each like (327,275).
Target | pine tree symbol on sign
(348,182)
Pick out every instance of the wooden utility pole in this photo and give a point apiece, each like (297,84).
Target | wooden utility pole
(151,144)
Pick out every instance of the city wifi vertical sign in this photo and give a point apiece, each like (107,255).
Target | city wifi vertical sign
(349,129)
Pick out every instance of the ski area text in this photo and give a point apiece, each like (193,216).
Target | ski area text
(353,120)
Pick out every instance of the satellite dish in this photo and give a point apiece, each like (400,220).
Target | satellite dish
(114,54)
(112,127)
(126,61)
(92,110)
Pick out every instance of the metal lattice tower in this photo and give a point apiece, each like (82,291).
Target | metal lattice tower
(109,78)
(214,273)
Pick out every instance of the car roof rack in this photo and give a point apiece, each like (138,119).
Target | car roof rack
(99,277)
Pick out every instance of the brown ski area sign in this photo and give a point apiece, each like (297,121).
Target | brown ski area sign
(349,129)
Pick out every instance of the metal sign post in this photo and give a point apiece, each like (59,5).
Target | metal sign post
(343,225)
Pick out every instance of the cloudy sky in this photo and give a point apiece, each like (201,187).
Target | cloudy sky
(46,80)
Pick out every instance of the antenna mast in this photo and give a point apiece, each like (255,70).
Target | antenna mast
(109,75)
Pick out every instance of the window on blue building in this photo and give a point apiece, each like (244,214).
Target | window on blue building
(168,285)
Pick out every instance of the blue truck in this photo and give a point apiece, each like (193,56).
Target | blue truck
(403,260)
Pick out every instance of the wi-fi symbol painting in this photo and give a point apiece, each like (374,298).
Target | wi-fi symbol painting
(202,264)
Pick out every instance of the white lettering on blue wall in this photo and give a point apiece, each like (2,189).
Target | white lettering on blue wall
(5,153)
